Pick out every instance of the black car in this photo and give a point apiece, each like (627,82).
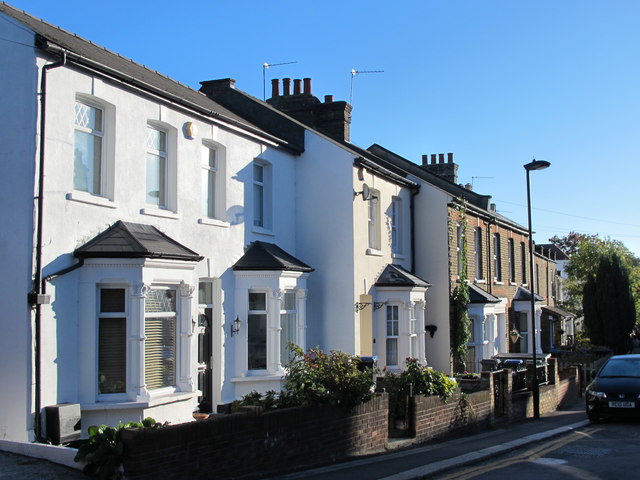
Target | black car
(615,390)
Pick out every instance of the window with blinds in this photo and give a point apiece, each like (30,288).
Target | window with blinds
(112,345)
(160,343)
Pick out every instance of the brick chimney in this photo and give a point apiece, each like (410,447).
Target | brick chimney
(331,117)
(448,170)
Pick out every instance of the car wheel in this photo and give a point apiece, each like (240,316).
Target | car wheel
(593,417)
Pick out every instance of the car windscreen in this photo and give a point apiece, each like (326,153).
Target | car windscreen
(621,367)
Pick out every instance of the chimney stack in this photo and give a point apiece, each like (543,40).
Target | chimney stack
(331,117)
(275,88)
(448,170)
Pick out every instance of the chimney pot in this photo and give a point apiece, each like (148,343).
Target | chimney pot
(275,88)
(433,158)
(449,157)
(286,86)
(441,158)
(328,99)
(297,86)
(307,86)
(425,159)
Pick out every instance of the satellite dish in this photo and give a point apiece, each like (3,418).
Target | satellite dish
(366,193)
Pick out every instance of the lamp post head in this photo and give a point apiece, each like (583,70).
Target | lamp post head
(536,165)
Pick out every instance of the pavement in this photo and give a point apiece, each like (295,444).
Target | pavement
(398,463)
(436,457)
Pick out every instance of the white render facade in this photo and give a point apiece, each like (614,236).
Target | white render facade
(205,181)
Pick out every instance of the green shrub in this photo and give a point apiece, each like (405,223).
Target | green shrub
(103,452)
(271,400)
(336,378)
(419,380)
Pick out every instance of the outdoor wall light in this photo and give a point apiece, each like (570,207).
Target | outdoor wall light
(235,326)
(431,329)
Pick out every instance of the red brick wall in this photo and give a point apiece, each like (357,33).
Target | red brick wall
(228,446)
(432,418)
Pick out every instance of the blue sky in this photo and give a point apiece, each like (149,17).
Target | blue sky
(495,82)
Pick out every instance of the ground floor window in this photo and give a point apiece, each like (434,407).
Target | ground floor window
(112,345)
(257,331)
(392,335)
(160,343)
(288,325)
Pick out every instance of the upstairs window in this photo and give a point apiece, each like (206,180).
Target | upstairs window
(459,247)
(374,220)
(261,195)
(478,258)
(88,148)
(396,225)
(497,258)
(209,176)
(156,167)
(523,260)
(512,260)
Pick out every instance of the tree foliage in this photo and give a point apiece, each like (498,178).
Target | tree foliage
(609,310)
(586,252)
(460,328)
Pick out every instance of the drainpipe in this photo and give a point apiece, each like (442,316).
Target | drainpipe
(36,297)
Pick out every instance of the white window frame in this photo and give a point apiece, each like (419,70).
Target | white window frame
(523,259)
(392,334)
(511,247)
(497,258)
(396,226)
(119,396)
(176,337)
(170,207)
(459,245)
(93,187)
(293,338)
(262,203)
(161,153)
(256,312)
(479,260)
(373,220)
(413,332)
(217,215)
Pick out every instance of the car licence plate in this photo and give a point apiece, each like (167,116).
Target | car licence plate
(622,404)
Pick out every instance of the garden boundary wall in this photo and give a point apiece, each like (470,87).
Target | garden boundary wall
(242,444)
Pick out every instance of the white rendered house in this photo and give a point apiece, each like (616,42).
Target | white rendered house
(131,201)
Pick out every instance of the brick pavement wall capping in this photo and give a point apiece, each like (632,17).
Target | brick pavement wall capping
(247,443)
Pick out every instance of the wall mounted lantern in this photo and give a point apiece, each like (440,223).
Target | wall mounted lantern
(235,326)
(431,329)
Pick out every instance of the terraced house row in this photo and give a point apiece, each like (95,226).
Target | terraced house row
(164,245)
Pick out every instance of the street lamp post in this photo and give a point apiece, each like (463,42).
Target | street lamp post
(534,165)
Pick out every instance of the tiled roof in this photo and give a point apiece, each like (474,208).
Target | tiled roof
(397,276)
(86,52)
(134,240)
(479,295)
(559,311)
(269,256)
(523,294)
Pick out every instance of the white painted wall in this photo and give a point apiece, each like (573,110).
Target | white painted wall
(18,140)
(72,218)
(432,264)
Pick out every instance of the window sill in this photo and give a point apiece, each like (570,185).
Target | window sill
(480,280)
(263,231)
(213,222)
(258,378)
(152,402)
(374,252)
(497,282)
(159,212)
(513,284)
(84,197)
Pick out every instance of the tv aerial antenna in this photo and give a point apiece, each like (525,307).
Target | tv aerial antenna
(474,178)
(355,72)
(266,65)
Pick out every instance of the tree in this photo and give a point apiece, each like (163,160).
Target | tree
(609,310)
(586,252)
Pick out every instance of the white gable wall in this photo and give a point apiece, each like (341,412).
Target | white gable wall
(18,115)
